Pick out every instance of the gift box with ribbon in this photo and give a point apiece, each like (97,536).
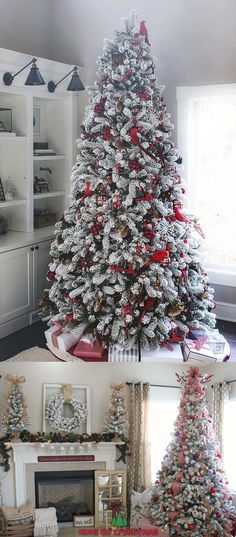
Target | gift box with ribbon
(90,350)
(198,351)
(52,334)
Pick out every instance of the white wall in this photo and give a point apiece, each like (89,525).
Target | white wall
(193,40)
(98,376)
(25,26)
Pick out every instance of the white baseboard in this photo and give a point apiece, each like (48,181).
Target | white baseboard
(14,325)
(225,311)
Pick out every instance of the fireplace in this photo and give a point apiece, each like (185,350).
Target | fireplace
(70,492)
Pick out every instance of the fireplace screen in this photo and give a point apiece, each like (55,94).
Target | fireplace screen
(71,493)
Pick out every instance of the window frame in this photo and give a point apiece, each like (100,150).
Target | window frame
(187,96)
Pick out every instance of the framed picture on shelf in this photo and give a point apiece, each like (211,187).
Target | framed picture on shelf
(5,120)
(2,195)
(82,392)
(36,119)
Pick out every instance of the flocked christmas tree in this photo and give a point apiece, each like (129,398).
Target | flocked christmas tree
(190,496)
(14,418)
(116,418)
(125,262)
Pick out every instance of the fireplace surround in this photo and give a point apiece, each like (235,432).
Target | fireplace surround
(28,459)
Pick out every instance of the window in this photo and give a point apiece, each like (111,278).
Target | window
(229,446)
(163,412)
(207,143)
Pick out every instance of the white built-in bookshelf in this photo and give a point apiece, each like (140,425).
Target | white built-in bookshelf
(24,249)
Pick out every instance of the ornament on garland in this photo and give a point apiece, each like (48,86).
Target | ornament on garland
(14,417)
(54,409)
(191,496)
(116,416)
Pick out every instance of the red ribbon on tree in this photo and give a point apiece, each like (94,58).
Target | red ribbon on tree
(147,306)
(129,270)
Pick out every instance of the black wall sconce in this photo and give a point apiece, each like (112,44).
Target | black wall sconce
(34,77)
(75,83)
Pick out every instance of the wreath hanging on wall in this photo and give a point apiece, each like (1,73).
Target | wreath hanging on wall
(60,423)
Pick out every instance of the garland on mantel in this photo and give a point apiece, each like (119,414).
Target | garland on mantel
(4,457)
(53,437)
(26,436)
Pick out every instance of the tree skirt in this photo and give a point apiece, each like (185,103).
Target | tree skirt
(35,354)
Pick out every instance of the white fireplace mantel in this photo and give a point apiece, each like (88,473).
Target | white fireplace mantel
(27,453)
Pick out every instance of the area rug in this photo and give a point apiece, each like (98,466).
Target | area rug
(35,354)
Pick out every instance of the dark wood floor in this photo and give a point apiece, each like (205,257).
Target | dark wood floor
(33,336)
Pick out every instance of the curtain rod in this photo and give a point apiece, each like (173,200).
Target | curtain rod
(227,382)
(156,385)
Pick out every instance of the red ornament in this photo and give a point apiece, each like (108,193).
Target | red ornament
(138,249)
(127,309)
(51,275)
(88,192)
(69,318)
(95,230)
(74,299)
(107,134)
(191,527)
(147,248)
(99,107)
(134,165)
(170,491)
(117,165)
(213,490)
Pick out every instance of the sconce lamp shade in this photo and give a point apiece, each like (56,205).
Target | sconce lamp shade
(75,83)
(34,77)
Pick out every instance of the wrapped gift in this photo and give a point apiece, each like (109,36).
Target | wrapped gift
(169,353)
(213,338)
(119,354)
(216,342)
(197,351)
(52,334)
(66,340)
(90,350)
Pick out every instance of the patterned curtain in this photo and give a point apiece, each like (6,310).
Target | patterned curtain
(221,392)
(139,466)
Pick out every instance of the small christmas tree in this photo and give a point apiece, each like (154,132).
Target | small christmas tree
(116,418)
(125,263)
(15,418)
(190,496)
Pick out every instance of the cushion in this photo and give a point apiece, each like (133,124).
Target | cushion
(138,501)
(17,516)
